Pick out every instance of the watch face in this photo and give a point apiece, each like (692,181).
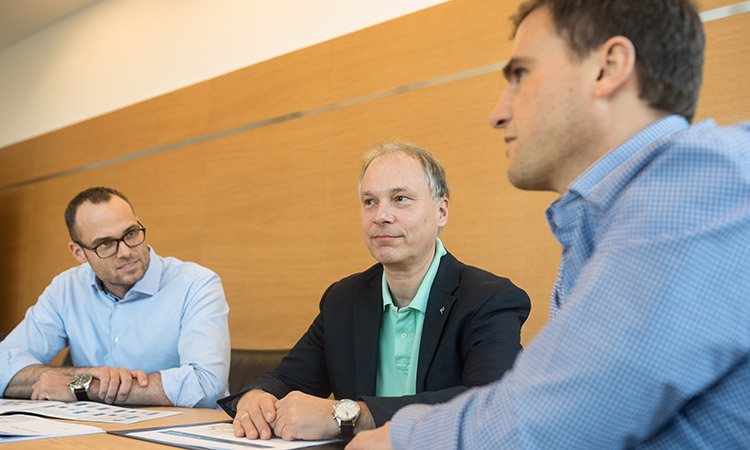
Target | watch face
(80,380)
(346,410)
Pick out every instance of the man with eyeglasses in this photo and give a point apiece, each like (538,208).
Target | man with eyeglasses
(142,329)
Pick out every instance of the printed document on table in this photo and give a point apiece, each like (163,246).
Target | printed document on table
(23,428)
(214,436)
(84,411)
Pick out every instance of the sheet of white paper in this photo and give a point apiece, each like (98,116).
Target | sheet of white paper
(21,427)
(219,436)
(84,411)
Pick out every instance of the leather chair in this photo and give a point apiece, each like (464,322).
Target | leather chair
(247,365)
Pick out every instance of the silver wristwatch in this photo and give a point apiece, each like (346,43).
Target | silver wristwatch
(78,385)
(346,413)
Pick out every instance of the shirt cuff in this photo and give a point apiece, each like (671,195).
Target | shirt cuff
(11,362)
(181,386)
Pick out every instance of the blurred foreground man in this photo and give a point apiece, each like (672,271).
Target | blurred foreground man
(417,327)
(648,345)
(142,329)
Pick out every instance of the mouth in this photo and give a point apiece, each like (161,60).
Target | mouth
(128,266)
(508,140)
(384,237)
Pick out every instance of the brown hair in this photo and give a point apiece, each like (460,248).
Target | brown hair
(94,195)
(667,36)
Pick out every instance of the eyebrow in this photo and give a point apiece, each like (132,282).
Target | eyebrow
(99,240)
(395,190)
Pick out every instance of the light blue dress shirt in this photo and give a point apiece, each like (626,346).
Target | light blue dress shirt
(401,335)
(172,321)
(649,342)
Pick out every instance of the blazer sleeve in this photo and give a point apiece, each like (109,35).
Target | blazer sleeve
(303,369)
(486,337)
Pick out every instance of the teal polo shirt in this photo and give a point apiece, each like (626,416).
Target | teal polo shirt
(401,334)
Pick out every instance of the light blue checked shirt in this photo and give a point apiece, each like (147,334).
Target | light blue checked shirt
(172,321)
(649,342)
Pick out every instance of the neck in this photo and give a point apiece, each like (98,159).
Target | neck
(116,290)
(609,132)
(404,282)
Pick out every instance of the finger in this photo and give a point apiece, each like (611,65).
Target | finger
(259,425)
(267,406)
(239,431)
(250,428)
(126,382)
(114,385)
(104,378)
(141,376)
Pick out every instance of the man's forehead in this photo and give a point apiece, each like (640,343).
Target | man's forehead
(394,172)
(536,25)
(105,219)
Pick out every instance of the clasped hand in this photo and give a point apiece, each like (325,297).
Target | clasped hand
(109,383)
(296,416)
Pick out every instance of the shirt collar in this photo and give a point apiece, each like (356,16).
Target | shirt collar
(148,285)
(419,302)
(591,177)
(602,177)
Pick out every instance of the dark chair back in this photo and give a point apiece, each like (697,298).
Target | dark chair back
(68,361)
(247,365)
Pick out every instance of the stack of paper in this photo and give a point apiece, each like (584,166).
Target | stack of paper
(82,411)
(22,428)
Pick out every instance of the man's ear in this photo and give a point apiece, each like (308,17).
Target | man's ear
(616,59)
(442,212)
(77,252)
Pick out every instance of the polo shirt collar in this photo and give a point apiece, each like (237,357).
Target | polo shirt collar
(419,302)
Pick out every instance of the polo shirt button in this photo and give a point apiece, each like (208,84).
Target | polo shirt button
(403,335)
(117,340)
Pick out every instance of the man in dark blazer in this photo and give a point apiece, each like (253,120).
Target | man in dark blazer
(418,327)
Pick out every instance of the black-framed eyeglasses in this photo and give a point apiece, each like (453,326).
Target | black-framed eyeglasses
(110,247)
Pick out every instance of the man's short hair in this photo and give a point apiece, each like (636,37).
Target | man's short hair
(432,167)
(94,195)
(667,36)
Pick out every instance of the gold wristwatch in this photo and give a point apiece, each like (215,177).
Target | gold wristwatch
(78,385)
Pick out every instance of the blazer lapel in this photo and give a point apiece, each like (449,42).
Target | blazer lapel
(368,309)
(438,310)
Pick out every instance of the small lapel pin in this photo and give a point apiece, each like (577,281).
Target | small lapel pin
(442,310)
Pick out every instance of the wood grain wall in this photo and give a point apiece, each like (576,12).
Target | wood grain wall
(254,173)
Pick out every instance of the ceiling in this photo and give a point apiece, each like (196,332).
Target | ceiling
(20,19)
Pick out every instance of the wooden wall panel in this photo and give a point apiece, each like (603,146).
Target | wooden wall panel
(725,94)
(16,206)
(274,209)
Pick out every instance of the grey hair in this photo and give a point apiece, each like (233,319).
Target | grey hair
(433,169)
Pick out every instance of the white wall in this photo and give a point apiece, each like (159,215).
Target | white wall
(119,52)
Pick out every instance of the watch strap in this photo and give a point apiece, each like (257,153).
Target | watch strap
(347,429)
(81,394)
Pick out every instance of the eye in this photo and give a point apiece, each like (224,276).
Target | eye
(516,75)
(105,245)
(368,202)
(401,198)
(130,234)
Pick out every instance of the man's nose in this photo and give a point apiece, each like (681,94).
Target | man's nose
(123,251)
(383,213)
(501,115)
